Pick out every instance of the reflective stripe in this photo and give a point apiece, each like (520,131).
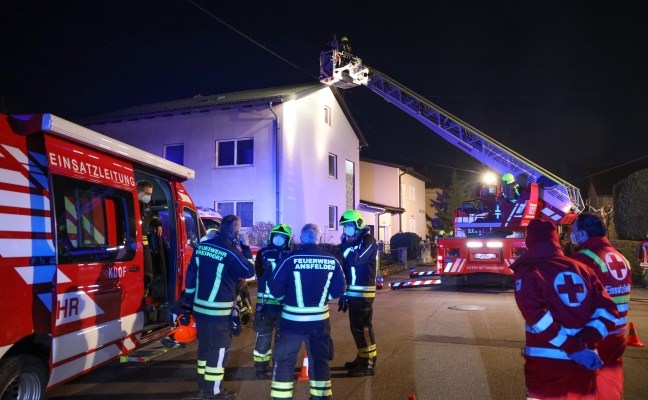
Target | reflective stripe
(217,282)
(596,259)
(305,318)
(321,388)
(543,323)
(347,251)
(368,352)
(261,298)
(361,291)
(216,313)
(328,283)
(599,326)
(622,307)
(617,331)
(353,276)
(546,353)
(305,310)
(188,290)
(603,313)
(621,321)
(299,295)
(281,390)
(621,299)
(560,339)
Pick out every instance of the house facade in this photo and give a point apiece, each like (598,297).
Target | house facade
(284,155)
(392,199)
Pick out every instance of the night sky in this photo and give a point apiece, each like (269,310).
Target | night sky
(563,83)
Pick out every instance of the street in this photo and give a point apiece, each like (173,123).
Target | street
(434,343)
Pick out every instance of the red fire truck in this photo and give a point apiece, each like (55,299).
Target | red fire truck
(71,251)
(488,230)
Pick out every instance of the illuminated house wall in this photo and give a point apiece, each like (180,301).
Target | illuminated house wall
(292,142)
(380,203)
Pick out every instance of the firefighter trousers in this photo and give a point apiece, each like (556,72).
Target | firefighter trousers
(360,320)
(214,342)
(318,347)
(263,344)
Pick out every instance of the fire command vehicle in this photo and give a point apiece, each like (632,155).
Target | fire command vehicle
(488,230)
(72,291)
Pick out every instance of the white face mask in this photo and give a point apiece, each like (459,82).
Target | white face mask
(349,230)
(278,240)
(145,198)
(574,240)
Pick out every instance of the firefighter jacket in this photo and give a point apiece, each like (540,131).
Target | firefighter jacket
(360,266)
(265,264)
(213,273)
(565,307)
(613,270)
(307,280)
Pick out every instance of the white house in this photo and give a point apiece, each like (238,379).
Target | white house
(285,155)
(392,199)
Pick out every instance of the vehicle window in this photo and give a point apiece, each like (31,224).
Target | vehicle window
(93,222)
(191,226)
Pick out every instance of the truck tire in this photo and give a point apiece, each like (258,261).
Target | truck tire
(23,377)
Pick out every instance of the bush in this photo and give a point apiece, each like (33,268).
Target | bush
(406,239)
(259,233)
(631,207)
(630,250)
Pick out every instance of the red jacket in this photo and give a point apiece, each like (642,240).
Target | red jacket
(563,303)
(613,270)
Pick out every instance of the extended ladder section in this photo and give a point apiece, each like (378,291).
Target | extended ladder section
(558,193)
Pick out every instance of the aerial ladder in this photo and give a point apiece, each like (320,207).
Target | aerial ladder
(489,230)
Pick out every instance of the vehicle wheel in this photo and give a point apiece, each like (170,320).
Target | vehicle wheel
(23,377)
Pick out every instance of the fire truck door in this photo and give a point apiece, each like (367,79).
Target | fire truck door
(99,276)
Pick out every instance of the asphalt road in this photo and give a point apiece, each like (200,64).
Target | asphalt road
(431,344)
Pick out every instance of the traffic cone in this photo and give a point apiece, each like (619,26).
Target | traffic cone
(303,376)
(633,339)
(411,397)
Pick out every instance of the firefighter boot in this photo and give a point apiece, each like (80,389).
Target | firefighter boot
(362,367)
(262,369)
(351,364)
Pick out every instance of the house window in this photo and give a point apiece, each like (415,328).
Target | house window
(327,115)
(412,193)
(234,152)
(174,153)
(244,210)
(333,218)
(332,166)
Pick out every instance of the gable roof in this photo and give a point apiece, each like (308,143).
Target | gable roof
(223,101)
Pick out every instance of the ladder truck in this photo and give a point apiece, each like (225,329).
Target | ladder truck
(489,229)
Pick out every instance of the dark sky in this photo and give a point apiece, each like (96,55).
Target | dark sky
(563,83)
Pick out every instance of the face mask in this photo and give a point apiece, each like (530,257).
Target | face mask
(278,240)
(573,239)
(145,198)
(349,231)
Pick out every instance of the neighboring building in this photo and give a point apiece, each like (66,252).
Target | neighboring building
(432,191)
(288,154)
(392,199)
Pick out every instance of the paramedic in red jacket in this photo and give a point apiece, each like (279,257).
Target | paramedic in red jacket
(567,311)
(613,270)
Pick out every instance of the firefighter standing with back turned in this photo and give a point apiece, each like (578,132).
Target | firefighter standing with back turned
(359,250)
(268,309)
(567,311)
(214,270)
(613,270)
(307,280)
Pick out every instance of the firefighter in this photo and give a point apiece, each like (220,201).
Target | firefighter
(217,264)
(510,188)
(307,279)
(268,309)
(566,310)
(345,48)
(613,270)
(359,250)
(149,222)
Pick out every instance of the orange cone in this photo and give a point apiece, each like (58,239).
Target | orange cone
(303,376)
(633,339)
(411,397)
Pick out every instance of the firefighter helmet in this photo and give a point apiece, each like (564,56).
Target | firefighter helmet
(186,330)
(281,229)
(353,216)
(344,39)
(508,178)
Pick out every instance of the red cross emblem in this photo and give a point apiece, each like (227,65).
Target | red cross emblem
(571,288)
(616,265)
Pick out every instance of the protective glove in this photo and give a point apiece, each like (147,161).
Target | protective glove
(587,358)
(343,305)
